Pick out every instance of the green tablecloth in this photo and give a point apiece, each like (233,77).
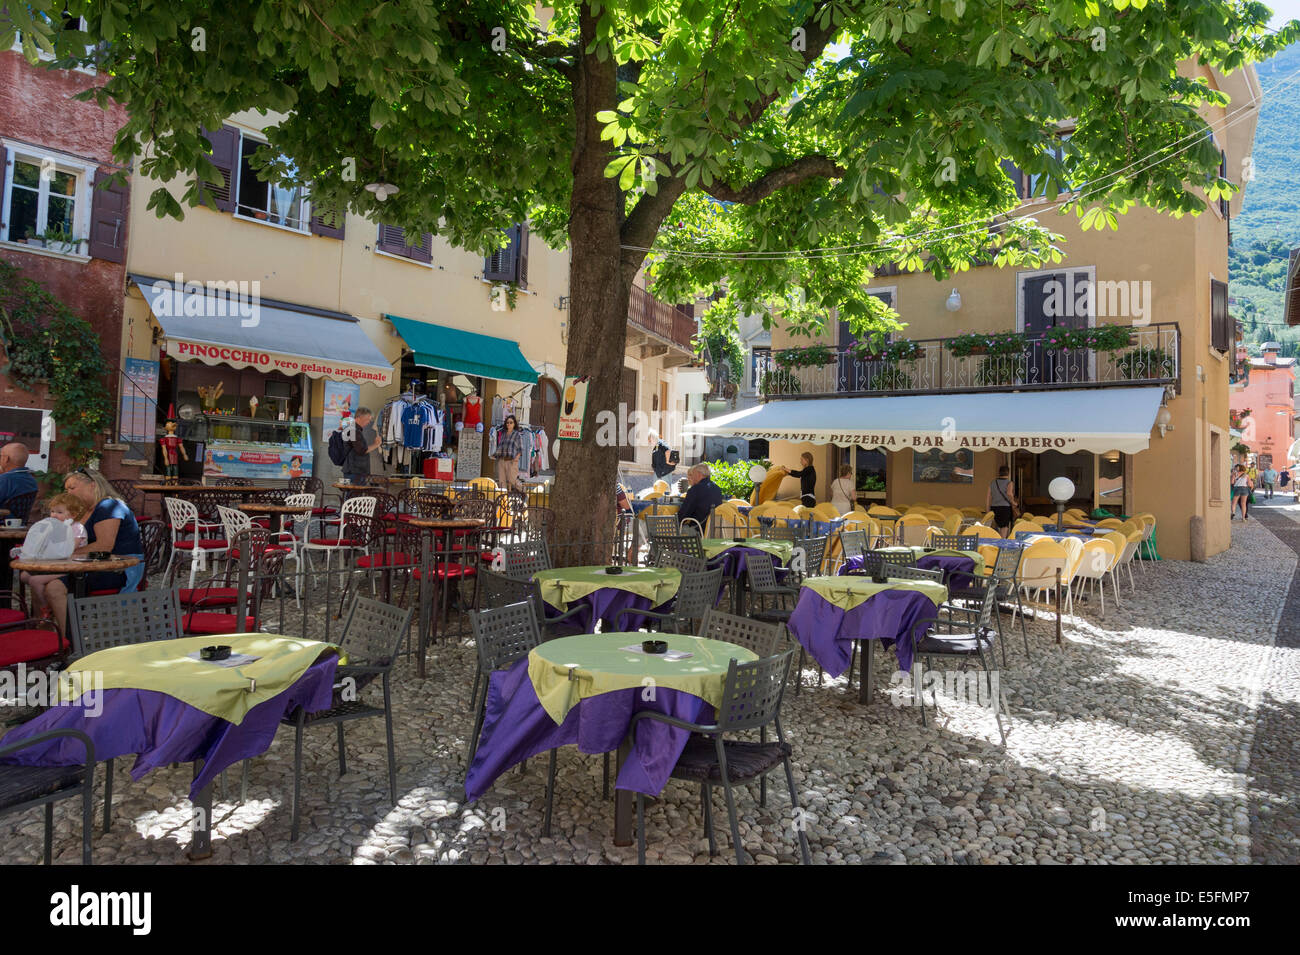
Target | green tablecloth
(920,552)
(848,592)
(165,667)
(599,665)
(713,546)
(561,587)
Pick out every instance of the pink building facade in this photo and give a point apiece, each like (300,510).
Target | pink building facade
(1268,396)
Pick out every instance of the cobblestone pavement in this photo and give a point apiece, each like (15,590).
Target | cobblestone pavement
(1165,732)
(1275,755)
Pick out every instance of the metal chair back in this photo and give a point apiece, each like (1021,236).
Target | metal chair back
(479,508)
(660,525)
(814,549)
(523,559)
(114,620)
(153,541)
(760,638)
(752,693)
(955,541)
(853,543)
(688,544)
(761,575)
(683,562)
(500,590)
(697,594)
(505,634)
(373,633)
(914,573)
(775,532)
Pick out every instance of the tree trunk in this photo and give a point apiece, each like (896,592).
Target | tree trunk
(600,282)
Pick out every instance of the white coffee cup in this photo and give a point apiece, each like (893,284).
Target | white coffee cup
(13,522)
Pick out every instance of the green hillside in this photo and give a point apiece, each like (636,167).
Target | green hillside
(1269,224)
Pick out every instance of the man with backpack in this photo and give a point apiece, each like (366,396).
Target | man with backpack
(351,444)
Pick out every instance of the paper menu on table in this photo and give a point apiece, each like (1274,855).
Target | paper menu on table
(234,660)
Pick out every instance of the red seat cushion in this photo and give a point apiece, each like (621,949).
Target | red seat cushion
(384,560)
(449,570)
(204,544)
(23,646)
(335,542)
(202,624)
(271,548)
(11,616)
(211,596)
(323,511)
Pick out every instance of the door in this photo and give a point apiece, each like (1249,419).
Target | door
(857,375)
(626,450)
(1056,300)
(544,407)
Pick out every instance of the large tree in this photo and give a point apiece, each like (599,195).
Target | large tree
(784,148)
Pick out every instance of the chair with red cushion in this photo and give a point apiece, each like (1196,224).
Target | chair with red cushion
(354,530)
(34,643)
(184,518)
(213,615)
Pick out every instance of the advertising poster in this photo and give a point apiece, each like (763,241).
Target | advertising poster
(340,396)
(940,467)
(573,408)
(278,465)
(139,399)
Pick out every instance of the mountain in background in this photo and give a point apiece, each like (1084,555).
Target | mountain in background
(1269,224)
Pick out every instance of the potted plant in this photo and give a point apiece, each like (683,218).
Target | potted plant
(60,239)
(979,343)
(808,357)
(895,351)
(1145,363)
(1110,337)
(34,240)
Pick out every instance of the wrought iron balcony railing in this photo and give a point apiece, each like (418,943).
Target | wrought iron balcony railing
(1152,358)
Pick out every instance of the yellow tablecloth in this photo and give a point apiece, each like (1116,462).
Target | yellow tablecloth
(563,586)
(848,592)
(165,667)
(783,550)
(599,665)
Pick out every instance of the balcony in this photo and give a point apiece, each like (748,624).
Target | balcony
(657,322)
(1152,359)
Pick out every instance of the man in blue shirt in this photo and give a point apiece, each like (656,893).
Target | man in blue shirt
(15,477)
(702,497)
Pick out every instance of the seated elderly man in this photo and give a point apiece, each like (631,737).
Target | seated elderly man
(16,479)
(702,497)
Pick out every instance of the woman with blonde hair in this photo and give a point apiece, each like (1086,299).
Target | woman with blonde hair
(842,490)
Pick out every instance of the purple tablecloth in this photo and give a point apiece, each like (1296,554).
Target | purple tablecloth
(516,727)
(163,730)
(948,563)
(827,632)
(604,604)
(734,560)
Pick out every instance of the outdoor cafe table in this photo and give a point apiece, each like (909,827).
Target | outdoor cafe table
(440,552)
(731,556)
(585,689)
(161,702)
(244,492)
(75,567)
(948,560)
(604,595)
(832,612)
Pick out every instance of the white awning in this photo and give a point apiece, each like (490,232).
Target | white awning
(1083,419)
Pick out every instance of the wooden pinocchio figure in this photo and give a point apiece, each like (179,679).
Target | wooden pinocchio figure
(173,450)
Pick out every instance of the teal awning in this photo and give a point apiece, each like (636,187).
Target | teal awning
(451,349)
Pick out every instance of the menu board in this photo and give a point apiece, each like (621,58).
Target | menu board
(469,455)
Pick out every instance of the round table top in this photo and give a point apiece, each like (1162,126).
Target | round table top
(73,565)
(446,523)
(277,508)
(13,533)
(182,489)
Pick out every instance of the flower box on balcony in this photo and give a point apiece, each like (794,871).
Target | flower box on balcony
(902,350)
(809,357)
(1000,343)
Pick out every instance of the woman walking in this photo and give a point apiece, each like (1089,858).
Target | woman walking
(1240,491)
(510,445)
(1001,500)
(842,490)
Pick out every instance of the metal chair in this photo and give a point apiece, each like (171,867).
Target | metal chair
(688,544)
(762,639)
(371,640)
(154,541)
(20,505)
(751,699)
(116,620)
(695,599)
(814,554)
(525,558)
(660,525)
(501,590)
(763,585)
(774,532)
(502,635)
(853,543)
(185,519)
(968,640)
(540,522)
(899,572)
(354,524)
(955,541)
(683,562)
(126,490)
(24,787)
(214,613)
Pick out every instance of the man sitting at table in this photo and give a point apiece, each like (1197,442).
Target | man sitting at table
(16,479)
(702,497)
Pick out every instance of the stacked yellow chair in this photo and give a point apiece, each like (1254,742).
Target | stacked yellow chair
(1126,546)
(1025,525)
(1044,564)
(727,521)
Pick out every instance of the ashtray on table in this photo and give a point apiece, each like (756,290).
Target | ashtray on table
(214,653)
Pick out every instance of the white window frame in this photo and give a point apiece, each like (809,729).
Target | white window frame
(83,169)
(46,57)
(237,180)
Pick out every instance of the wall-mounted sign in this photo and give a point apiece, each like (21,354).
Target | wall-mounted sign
(573,408)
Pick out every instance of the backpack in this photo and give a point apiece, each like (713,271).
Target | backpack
(338,448)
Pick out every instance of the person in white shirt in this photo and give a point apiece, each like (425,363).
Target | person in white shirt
(842,490)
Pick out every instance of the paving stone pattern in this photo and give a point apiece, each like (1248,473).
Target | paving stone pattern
(1165,732)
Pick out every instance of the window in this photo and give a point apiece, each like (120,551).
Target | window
(392,241)
(758,361)
(278,203)
(510,264)
(67,23)
(45,197)
(1220,323)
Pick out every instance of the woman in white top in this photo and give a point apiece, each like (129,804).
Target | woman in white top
(842,490)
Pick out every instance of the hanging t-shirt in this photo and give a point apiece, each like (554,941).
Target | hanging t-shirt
(413,419)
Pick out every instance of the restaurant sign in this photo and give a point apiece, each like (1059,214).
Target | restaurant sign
(265,361)
(897,441)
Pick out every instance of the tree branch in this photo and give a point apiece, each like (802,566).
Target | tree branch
(806,167)
(642,223)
